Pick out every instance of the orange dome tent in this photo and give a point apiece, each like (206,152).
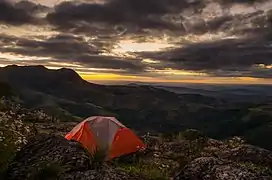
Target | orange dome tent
(107,133)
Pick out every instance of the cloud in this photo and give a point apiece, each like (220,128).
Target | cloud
(30,6)
(21,12)
(248,57)
(247,2)
(10,14)
(180,16)
(229,57)
(142,13)
(131,66)
(59,46)
(65,48)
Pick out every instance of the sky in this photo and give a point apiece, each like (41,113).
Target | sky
(161,41)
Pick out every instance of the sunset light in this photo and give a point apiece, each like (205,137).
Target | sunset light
(184,86)
(126,46)
(97,51)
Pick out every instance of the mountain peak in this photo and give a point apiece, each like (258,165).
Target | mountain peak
(14,66)
(32,74)
(68,73)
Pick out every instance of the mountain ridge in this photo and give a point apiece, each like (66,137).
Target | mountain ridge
(65,95)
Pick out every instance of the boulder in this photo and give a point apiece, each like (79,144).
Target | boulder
(53,157)
(248,153)
(47,151)
(211,168)
(222,161)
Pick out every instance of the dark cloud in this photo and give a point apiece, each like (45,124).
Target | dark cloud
(245,2)
(13,15)
(230,57)
(129,65)
(256,72)
(21,12)
(144,14)
(65,48)
(156,14)
(60,46)
(219,58)
(30,7)
(239,24)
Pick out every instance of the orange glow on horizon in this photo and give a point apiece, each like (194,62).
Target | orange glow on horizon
(107,77)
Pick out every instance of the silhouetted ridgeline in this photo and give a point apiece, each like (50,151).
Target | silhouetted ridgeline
(63,94)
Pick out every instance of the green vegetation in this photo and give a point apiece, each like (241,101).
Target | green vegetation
(8,148)
(13,132)
(98,157)
(176,151)
(145,168)
(256,167)
(6,90)
(47,171)
(193,143)
(9,141)
(146,108)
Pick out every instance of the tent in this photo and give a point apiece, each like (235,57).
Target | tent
(105,133)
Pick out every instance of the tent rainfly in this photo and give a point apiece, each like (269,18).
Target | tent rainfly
(105,133)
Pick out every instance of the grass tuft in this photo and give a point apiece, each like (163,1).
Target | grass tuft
(98,157)
(47,171)
(146,169)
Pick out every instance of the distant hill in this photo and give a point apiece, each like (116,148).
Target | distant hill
(65,95)
(242,93)
(6,90)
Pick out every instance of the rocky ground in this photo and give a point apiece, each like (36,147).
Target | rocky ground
(44,153)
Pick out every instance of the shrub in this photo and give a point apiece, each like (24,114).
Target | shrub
(13,133)
(192,134)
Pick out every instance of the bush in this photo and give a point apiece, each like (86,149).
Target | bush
(13,133)
(7,149)
(192,134)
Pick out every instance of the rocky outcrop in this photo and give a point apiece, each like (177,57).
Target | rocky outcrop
(249,153)
(187,156)
(212,168)
(229,160)
(104,173)
(202,158)
(50,156)
(46,150)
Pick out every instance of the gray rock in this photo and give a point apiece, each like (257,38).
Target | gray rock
(104,173)
(211,168)
(46,150)
(54,157)
(248,153)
